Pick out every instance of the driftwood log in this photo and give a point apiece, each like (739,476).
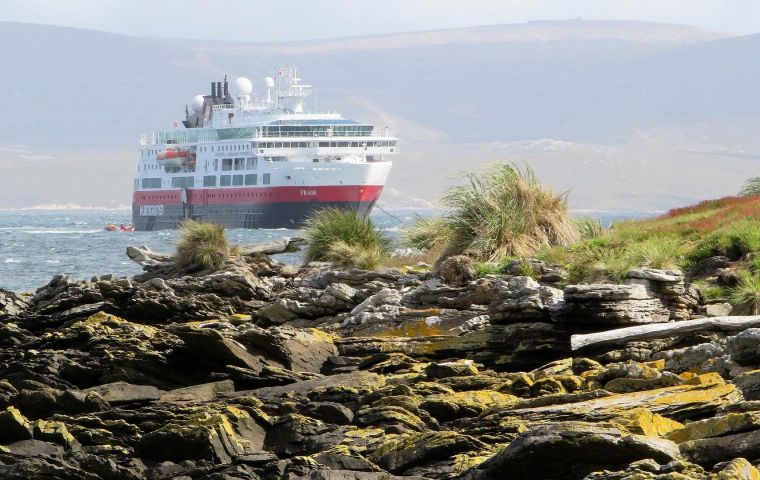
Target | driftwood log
(650,331)
(147,258)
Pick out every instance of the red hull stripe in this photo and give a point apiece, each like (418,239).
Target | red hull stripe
(242,195)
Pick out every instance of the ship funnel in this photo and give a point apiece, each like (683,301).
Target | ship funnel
(219,89)
(213,90)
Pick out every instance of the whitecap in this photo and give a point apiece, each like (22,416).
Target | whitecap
(12,260)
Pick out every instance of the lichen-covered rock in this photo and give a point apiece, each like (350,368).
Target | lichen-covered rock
(571,451)
(301,350)
(403,453)
(716,426)
(14,426)
(213,436)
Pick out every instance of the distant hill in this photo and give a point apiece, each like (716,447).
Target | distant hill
(680,97)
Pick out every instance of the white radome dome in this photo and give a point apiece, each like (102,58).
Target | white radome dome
(269,81)
(243,86)
(197,101)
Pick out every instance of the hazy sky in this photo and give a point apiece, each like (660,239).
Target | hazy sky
(255,20)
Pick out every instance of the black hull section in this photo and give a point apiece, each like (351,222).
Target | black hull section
(269,215)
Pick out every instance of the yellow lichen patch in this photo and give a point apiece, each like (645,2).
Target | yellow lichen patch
(466,461)
(641,421)
(716,426)
(706,379)
(321,335)
(414,328)
(107,323)
(482,399)
(658,364)
(738,469)
(53,431)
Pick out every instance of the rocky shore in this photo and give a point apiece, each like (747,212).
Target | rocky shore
(268,371)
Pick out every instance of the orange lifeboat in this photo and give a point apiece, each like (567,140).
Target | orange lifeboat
(177,157)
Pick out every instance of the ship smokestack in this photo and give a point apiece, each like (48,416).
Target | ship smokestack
(213,90)
(219,89)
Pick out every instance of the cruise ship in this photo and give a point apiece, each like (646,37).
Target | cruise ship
(247,161)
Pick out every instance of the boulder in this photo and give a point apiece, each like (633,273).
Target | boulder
(217,436)
(450,369)
(744,347)
(711,450)
(14,426)
(212,345)
(612,304)
(11,305)
(300,350)
(198,393)
(520,299)
(122,392)
(749,384)
(399,455)
(570,451)
(716,426)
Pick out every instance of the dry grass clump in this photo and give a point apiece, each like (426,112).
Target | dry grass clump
(345,239)
(457,270)
(202,246)
(504,213)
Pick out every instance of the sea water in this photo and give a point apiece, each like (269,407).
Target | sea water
(36,245)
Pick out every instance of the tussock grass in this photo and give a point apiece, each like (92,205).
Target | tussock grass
(745,297)
(427,233)
(346,239)
(589,227)
(202,246)
(657,252)
(506,212)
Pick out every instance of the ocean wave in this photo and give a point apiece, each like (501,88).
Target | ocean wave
(12,260)
(68,206)
(49,230)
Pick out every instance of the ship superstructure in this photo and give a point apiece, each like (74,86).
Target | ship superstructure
(243,161)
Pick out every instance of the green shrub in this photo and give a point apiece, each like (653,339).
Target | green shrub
(745,297)
(345,238)
(427,233)
(589,227)
(751,187)
(506,212)
(202,246)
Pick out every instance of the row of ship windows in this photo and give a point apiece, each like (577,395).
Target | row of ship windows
(240,148)
(210,181)
(225,148)
(213,195)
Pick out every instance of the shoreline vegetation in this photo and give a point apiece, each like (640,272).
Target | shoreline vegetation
(504,219)
(502,339)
